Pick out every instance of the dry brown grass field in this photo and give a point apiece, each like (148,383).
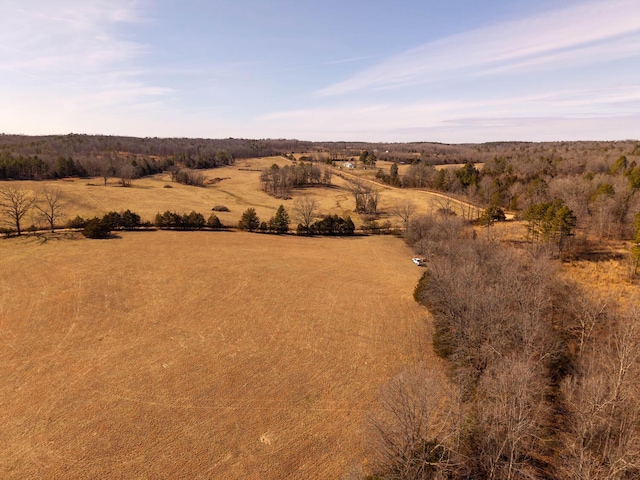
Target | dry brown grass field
(426,202)
(211,354)
(238,189)
(198,354)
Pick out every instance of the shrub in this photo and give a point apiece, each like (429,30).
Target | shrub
(77,222)
(167,220)
(373,227)
(113,219)
(214,222)
(130,220)
(189,177)
(7,232)
(220,208)
(193,221)
(333,225)
(492,214)
(97,228)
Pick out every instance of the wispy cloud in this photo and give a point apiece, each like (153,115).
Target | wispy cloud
(425,111)
(584,34)
(474,117)
(75,46)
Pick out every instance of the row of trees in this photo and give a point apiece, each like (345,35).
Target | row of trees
(20,167)
(305,210)
(191,151)
(15,204)
(102,227)
(51,205)
(188,221)
(330,225)
(279,223)
(540,376)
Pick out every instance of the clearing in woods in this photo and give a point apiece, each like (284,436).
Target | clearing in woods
(199,355)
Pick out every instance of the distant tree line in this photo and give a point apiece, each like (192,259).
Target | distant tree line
(602,191)
(58,156)
(20,167)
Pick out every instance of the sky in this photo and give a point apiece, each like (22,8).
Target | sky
(452,71)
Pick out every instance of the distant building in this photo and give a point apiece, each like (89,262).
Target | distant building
(348,165)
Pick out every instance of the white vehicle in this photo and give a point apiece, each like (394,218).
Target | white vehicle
(417,261)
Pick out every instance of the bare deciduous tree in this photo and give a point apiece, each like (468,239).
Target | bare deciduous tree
(413,427)
(365,195)
(15,204)
(512,410)
(107,169)
(405,211)
(126,172)
(50,205)
(304,210)
(589,317)
(604,439)
(372,200)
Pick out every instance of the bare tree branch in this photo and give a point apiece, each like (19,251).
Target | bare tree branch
(50,205)
(15,204)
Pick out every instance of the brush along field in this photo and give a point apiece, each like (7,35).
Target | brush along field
(236,187)
(199,354)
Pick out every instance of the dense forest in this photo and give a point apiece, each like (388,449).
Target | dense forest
(540,375)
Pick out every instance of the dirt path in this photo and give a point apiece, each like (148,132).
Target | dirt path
(469,210)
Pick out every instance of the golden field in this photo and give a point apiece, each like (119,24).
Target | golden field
(238,188)
(160,354)
(199,354)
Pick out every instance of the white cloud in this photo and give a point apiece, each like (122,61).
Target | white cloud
(71,49)
(585,34)
(486,119)
(66,33)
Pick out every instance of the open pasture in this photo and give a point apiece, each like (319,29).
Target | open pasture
(236,187)
(200,354)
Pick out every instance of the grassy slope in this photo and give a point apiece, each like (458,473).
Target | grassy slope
(206,354)
(239,189)
(202,355)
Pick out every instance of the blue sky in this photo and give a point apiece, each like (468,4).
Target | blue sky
(448,71)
